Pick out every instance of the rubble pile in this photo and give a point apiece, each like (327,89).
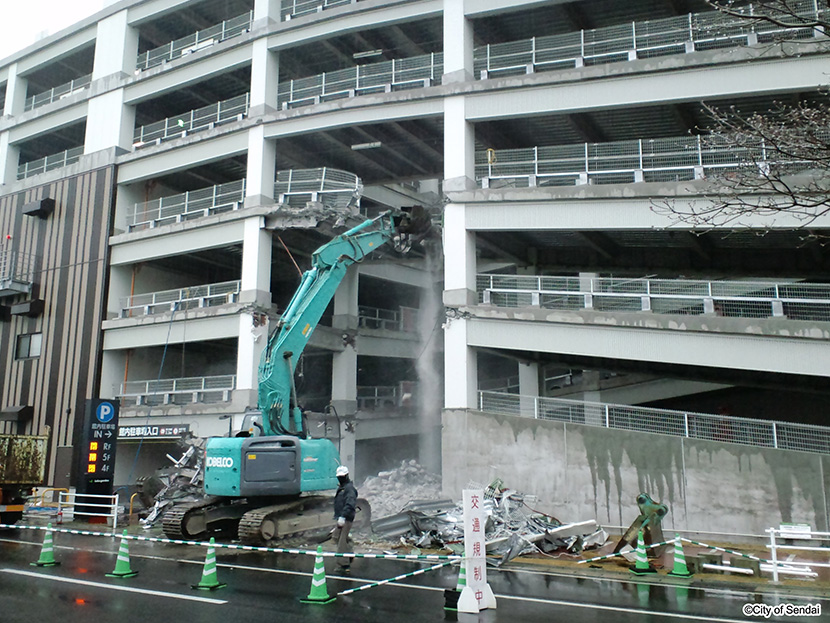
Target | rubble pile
(180,482)
(391,491)
(513,527)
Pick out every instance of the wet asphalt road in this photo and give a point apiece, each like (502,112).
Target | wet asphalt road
(265,587)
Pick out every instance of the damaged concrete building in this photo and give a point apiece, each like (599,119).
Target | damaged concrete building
(588,346)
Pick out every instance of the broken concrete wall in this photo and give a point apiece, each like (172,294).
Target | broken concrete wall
(581,472)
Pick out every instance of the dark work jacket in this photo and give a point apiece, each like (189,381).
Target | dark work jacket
(345,501)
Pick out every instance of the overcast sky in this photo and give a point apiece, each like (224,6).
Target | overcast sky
(23,21)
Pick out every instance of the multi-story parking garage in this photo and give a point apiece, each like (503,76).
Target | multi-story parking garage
(198,152)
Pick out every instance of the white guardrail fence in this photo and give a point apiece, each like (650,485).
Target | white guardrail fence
(796,533)
(88,505)
(745,431)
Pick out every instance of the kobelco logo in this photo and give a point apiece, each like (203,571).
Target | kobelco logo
(219,461)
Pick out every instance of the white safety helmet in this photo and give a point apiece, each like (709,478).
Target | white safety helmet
(342,471)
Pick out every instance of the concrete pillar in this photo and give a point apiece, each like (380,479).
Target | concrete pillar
(344,363)
(15,92)
(262,165)
(459,258)
(114,364)
(126,197)
(458,43)
(109,123)
(346,445)
(9,159)
(460,367)
(255,289)
(120,287)
(116,47)
(266,10)
(528,388)
(265,74)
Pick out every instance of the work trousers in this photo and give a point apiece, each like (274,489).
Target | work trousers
(341,535)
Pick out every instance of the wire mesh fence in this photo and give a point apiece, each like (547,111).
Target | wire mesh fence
(735,299)
(644,39)
(58,92)
(744,431)
(195,42)
(50,163)
(232,109)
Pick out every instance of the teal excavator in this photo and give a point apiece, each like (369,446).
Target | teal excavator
(267,485)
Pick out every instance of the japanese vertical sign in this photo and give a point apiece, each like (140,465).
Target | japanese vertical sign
(474,544)
(97,459)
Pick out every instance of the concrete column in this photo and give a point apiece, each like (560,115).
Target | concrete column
(460,367)
(262,164)
(116,47)
(9,159)
(120,287)
(15,92)
(344,363)
(458,43)
(266,10)
(459,258)
(346,446)
(109,123)
(265,74)
(459,146)
(253,326)
(126,197)
(114,363)
(528,388)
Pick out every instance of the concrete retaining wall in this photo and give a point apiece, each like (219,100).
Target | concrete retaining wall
(582,472)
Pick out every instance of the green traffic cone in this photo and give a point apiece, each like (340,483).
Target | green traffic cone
(47,553)
(641,565)
(680,569)
(122,562)
(318,593)
(462,576)
(209,580)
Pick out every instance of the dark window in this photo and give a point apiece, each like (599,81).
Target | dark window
(28,346)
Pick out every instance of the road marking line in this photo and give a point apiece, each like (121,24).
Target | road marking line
(651,613)
(127,589)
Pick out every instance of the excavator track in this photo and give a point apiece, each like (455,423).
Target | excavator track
(270,523)
(174,520)
(214,517)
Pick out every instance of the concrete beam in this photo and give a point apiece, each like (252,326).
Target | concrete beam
(222,234)
(158,334)
(409,275)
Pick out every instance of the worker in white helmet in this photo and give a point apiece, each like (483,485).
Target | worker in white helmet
(345,503)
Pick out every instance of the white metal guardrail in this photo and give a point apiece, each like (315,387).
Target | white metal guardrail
(16,268)
(331,187)
(646,39)
(195,42)
(191,297)
(403,319)
(58,92)
(744,431)
(383,77)
(736,299)
(785,533)
(226,111)
(297,8)
(387,397)
(49,163)
(91,505)
(200,389)
(620,162)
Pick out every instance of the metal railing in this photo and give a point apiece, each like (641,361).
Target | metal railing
(93,505)
(233,109)
(58,92)
(621,162)
(297,8)
(49,163)
(383,77)
(404,319)
(16,267)
(646,39)
(181,391)
(788,533)
(195,42)
(186,206)
(744,431)
(331,187)
(735,299)
(183,299)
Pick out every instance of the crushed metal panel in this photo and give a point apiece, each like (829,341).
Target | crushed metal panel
(23,459)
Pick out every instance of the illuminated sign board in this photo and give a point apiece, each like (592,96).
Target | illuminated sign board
(97,449)
(167,431)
